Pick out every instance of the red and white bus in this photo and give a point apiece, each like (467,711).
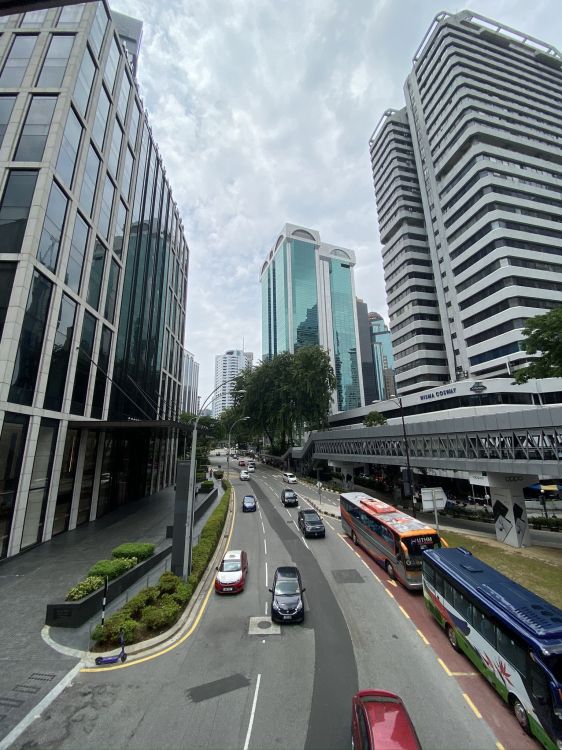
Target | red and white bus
(392,538)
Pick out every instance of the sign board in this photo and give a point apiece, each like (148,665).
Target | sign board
(479,480)
(429,494)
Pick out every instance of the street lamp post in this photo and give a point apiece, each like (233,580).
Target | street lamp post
(228,454)
(188,548)
(398,400)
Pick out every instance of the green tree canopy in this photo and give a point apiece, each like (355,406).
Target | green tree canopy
(374,418)
(543,335)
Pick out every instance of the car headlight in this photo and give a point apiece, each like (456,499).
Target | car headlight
(275,605)
(299,606)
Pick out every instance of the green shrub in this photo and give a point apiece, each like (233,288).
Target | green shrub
(85,587)
(109,633)
(140,550)
(218,473)
(112,568)
(183,594)
(207,485)
(168,582)
(145,597)
(155,617)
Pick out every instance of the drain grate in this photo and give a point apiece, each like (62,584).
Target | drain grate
(30,689)
(11,702)
(42,676)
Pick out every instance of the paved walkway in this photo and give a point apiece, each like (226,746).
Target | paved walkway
(29,668)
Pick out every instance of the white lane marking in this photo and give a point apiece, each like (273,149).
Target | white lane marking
(288,513)
(262,527)
(265,546)
(304,542)
(266,577)
(249,732)
(329,524)
(266,608)
(12,736)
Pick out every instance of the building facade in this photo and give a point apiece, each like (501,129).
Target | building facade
(190,383)
(308,297)
(468,183)
(370,387)
(93,278)
(227,367)
(383,356)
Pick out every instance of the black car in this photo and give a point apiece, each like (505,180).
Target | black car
(287,603)
(310,523)
(249,504)
(289,497)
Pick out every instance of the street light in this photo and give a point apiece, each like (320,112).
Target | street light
(228,454)
(398,400)
(188,548)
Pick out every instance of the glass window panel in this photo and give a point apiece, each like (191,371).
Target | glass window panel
(120,224)
(36,129)
(66,482)
(86,490)
(30,344)
(127,173)
(12,444)
(112,64)
(70,16)
(101,374)
(69,147)
(40,481)
(89,181)
(7,20)
(484,626)
(83,365)
(116,140)
(101,118)
(134,126)
(6,107)
(124,97)
(34,18)
(49,243)
(77,254)
(106,206)
(111,296)
(98,29)
(18,58)
(15,209)
(84,82)
(7,273)
(512,651)
(56,61)
(345,344)
(96,275)
(61,354)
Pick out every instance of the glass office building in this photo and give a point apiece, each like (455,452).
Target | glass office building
(93,276)
(308,297)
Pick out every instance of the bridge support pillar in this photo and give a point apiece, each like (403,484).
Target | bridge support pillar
(508,505)
(346,470)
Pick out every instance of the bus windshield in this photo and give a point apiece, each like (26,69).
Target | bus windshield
(417,544)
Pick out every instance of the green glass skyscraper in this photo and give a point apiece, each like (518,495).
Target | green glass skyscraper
(308,297)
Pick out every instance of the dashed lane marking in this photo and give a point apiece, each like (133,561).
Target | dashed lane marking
(406,615)
(500,746)
(265,546)
(472,706)
(422,636)
(391,595)
(393,583)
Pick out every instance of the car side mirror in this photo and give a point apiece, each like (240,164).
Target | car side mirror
(302,591)
(270,591)
(216,568)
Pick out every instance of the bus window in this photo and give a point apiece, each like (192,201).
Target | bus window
(511,650)
(539,685)
(387,537)
(484,626)
(429,573)
(449,593)
(463,606)
(439,583)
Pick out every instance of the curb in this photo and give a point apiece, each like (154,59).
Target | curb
(322,512)
(169,637)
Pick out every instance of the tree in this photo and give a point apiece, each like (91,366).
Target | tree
(374,418)
(544,335)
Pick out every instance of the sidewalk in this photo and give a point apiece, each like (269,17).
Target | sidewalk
(29,668)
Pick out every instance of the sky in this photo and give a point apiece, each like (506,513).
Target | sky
(263,110)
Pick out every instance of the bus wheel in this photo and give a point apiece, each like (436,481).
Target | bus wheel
(452,636)
(520,714)
(354,538)
(389,570)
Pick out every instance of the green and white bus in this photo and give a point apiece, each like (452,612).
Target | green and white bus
(510,634)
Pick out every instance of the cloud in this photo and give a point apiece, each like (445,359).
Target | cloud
(263,112)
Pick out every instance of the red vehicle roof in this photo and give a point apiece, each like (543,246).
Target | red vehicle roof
(390,724)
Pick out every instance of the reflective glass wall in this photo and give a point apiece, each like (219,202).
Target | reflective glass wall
(304,294)
(345,342)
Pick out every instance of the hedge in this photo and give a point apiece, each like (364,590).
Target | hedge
(87,586)
(140,550)
(207,485)
(112,568)
(158,607)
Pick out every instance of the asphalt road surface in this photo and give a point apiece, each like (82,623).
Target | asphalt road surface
(236,684)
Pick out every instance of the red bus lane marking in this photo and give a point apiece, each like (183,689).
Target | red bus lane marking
(494,711)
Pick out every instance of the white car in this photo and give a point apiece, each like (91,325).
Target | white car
(251,468)
(244,474)
(290,478)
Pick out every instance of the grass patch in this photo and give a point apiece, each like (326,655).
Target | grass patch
(538,569)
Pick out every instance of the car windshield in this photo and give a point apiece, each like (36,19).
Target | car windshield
(287,588)
(249,500)
(312,518)
(417,544)
(290,495)
(230,566)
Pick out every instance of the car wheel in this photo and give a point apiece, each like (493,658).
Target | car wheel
(521,715)
(390,570)
(354,538)
(452,636)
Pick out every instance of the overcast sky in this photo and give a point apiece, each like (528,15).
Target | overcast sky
(263,110)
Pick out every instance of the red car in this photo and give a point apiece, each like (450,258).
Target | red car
(379,720)
(242,462)
(232,572)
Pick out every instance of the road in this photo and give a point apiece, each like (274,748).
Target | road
(237,684)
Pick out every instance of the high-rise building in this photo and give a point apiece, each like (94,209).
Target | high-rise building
(308,297)
(468,182)
(383,357)
(93,277)
(370,387)
(227,367)
(190,383)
